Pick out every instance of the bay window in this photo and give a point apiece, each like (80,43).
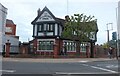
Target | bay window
(46,45)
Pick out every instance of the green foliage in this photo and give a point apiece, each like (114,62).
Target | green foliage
(111,43)
(105,45)
(80,27)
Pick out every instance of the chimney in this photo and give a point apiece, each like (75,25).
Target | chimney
(39,11)
(67,18)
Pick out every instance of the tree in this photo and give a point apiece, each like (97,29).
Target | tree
(105,45)
(79,28)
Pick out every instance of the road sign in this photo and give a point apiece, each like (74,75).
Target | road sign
(114,36)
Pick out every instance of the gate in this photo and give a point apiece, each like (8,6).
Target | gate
(14,49)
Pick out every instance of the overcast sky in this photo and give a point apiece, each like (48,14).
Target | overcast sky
(23,12)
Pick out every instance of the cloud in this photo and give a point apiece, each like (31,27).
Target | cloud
(77,1)
(22,12)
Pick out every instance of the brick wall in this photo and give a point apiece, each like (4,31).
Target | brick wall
(13,28)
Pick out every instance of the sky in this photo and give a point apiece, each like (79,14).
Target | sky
(23,12)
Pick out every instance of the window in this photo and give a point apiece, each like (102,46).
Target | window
(43,45)
(40,27)
(74,33)
(48,27)
(92,35)
(46,45)
(8,29)
(70,46)
(45,27)
(51,27)
(83,47)
(73,46)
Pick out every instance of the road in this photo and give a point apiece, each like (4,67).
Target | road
(58,69)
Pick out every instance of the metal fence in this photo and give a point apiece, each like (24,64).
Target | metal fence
(14,49)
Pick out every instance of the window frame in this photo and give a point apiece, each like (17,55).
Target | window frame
(83,47)
(40,29)
(46,46)
(70,46)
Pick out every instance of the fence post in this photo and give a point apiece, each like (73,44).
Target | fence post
(7,53)
(56,45)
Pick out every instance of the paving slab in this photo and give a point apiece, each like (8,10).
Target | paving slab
(59,60)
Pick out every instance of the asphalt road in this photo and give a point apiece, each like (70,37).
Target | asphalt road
(80,68)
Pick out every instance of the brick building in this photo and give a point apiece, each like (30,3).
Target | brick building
(47,40)
(10,28)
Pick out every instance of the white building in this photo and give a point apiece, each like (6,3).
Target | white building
(5,32)
(3,13)
(118,19)
(118,28)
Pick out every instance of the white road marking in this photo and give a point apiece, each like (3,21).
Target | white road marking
(10,71)
(83,61)
(100,68)
(85,64)
(77,73)
(112,66)
(103,69)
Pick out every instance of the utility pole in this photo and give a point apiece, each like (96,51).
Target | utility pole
(114,37)
(67,7)
(108,29)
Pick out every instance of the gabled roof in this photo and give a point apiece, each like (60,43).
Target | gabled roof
(41,12)
(62,21)
(9,21)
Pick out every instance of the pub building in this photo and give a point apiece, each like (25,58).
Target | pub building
(47,39)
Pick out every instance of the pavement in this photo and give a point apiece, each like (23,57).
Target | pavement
(56,60)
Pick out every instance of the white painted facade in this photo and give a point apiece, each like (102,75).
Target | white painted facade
(40,34)
(56,28)
(35,30)
(45,17)
(3,13)
(47,33)
(14,42)
(118,22)
(60,28)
